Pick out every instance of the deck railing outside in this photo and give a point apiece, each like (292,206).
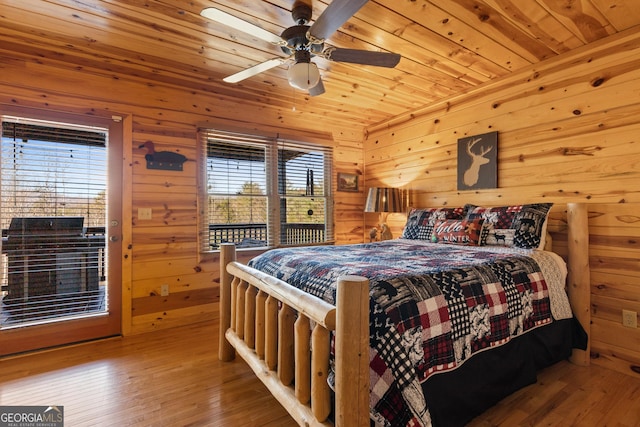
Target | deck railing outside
(255,235)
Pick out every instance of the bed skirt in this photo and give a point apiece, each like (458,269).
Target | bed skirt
(490,376)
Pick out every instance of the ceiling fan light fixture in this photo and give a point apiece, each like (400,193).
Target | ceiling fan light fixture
(303,41)
(303,75)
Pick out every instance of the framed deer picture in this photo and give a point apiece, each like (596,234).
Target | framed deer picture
(478,161)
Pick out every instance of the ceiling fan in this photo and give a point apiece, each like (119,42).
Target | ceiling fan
(301,42)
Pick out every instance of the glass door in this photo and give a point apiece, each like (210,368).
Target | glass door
(60,231)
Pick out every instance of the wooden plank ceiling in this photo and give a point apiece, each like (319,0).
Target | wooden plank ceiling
(447,46)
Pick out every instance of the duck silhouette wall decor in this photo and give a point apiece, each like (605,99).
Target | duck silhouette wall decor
(164,160)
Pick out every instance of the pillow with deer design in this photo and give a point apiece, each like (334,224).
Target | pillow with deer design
(520,226)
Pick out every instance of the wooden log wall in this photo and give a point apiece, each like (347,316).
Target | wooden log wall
(164,249)
(569,131)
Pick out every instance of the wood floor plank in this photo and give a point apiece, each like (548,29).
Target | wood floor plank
(173,378)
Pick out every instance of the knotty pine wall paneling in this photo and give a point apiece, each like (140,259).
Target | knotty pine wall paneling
(569,131)
(164,249)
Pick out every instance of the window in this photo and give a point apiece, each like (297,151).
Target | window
(266,191)
(53,212)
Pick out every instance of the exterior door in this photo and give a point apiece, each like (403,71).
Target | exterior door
(61,210)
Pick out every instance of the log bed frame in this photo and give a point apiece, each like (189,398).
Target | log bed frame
(268,323)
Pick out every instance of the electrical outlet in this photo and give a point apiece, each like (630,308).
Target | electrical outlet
(629,319)
(164,290)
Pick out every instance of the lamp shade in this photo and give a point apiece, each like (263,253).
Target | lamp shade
(303,75)
(380,199)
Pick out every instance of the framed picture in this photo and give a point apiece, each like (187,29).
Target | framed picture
(478,161)
(347,182)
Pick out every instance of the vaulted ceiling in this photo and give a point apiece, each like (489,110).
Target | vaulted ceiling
(447,46)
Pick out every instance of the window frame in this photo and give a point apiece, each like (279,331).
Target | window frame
(273,145)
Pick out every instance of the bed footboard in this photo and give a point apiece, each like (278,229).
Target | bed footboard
(283,334)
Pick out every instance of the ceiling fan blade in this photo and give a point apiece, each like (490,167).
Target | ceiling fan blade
(229,20)
(365,57)
(336,14)
(256,69)
(318,89)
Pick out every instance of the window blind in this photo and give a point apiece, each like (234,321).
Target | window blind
(48,171)
(237,190)
(304,193)
(264,191)
(53,212)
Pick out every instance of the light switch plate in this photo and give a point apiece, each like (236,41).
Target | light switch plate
(144,213)
(164,289)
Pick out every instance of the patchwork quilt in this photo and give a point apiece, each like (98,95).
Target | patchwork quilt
(432,307)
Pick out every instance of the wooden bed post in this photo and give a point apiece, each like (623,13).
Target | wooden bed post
(579,278)
(352,352)
(226,352)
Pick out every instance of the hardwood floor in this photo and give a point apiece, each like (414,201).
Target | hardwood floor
(173,378)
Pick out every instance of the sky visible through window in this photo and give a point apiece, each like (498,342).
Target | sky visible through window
(52,178)
(230,176)
(68,168)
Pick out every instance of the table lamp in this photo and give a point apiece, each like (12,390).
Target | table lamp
(384,201)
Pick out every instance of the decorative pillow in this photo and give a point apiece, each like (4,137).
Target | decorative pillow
(520,226)
(457,232)
(420,221)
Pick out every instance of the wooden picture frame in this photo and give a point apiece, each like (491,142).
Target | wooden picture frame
(348,182)
(478,161)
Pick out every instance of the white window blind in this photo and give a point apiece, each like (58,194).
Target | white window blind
(53,212)
(266,191)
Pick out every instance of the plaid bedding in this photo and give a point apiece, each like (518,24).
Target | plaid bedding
(432,307)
